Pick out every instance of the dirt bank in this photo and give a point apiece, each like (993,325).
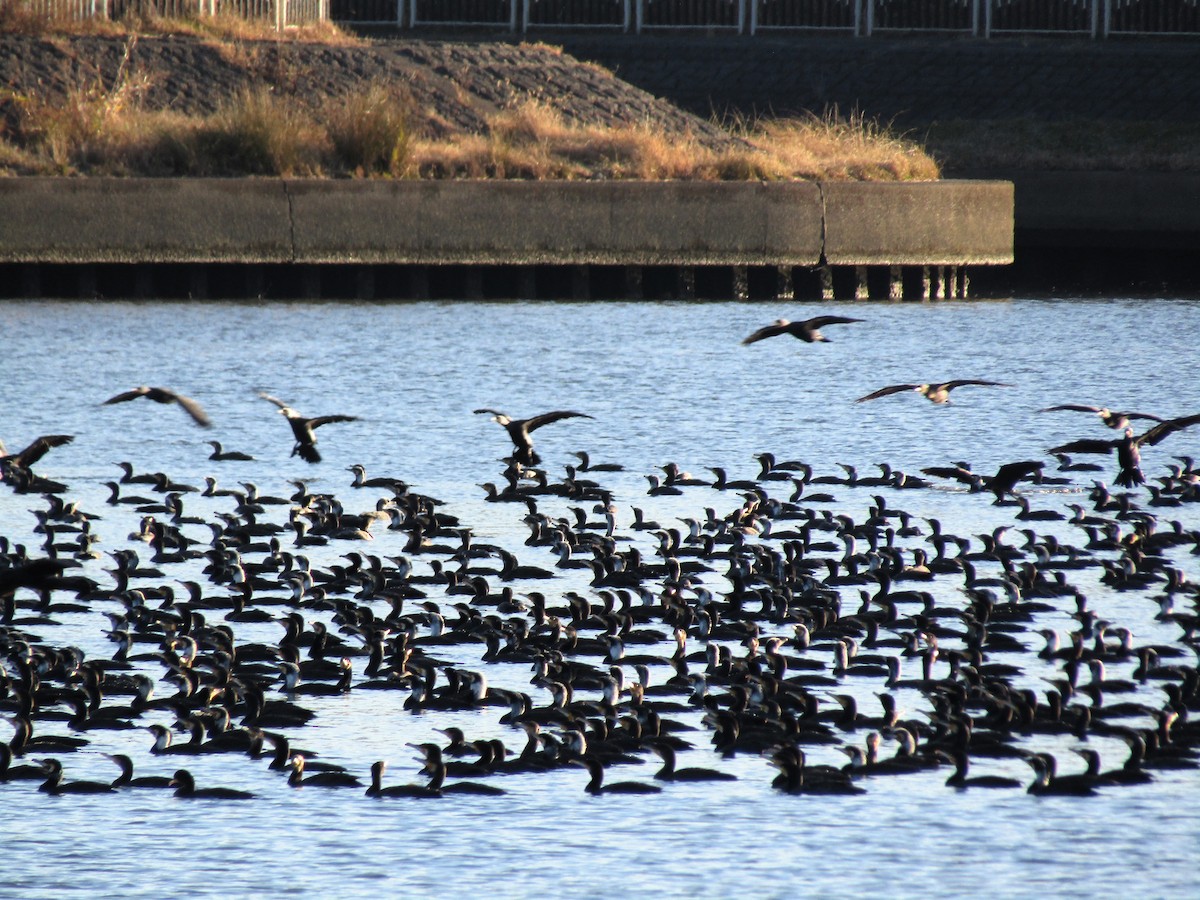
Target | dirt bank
(454,87)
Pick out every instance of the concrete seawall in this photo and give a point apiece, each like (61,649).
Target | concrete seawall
(266,221)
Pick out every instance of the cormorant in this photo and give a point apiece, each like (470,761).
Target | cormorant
(164,395)
(1113,419)
(518,430)
(1129,456)
(807,331)
(303,428)
(936,392)
(38,448)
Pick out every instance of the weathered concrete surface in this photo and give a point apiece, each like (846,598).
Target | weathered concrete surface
(938,223)
(630,223)
(67,220)
(522,223)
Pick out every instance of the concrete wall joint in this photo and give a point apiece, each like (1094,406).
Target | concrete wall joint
(291,214)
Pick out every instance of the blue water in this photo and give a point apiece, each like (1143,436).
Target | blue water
(662,382)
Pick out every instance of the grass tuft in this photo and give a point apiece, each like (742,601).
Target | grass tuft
(258,133)
(836,148)
(369,131)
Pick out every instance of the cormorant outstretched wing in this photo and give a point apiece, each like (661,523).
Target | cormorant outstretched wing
(546,418)
(822,321)
(37,448)
(1009,474)
(890,389)
(1071,407)
(1087,445)
(325,420)
(768,331)
(164,395)
(808,330)
(1160,431)
(1110,417)
(274,400)
(958,473)
(951,385)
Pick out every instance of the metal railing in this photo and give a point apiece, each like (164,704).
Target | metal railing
(282,13)
(977,18)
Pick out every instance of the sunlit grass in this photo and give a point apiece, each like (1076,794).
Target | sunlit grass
(534,141)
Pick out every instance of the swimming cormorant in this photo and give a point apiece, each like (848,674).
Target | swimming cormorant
(319,779)
(55,785)
(127,780)
(185,786)
(220,454)
(596,784)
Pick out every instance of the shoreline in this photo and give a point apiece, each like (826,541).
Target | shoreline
(830,229)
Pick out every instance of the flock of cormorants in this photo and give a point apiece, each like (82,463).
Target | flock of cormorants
(779,616)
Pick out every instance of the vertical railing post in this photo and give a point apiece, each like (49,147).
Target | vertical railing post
(626,16)
(987,19)
(512,16)
(975,18)
(1106,28)
(525,15)
(753,17)
(741,26)
(412,14)
(640,15)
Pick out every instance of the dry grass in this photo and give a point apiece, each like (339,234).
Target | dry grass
(91,124)
(369,131)
(107,129)
(258,133)
(834,148)
(532,141)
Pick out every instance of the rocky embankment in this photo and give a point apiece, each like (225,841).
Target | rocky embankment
(453,87)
